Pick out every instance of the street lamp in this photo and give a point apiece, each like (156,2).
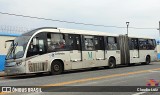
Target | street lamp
(127,23)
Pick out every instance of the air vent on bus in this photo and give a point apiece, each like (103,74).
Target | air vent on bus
(36,67)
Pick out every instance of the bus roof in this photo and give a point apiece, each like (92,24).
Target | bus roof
(145,37)
(70,31)
(76,31)
(86,32)
(30,33)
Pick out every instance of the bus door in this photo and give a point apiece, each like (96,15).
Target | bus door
(88,53)
(135,48)
(75,50)
(100,48)
(37,62)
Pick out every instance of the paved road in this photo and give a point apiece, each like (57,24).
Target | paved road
(137,75)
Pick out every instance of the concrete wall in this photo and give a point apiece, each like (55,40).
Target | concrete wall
(3,51)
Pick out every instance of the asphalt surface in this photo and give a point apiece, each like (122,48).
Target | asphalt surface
(137,75)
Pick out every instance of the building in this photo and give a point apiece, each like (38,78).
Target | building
(3,50)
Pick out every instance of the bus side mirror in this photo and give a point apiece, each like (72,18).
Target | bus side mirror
(8,41)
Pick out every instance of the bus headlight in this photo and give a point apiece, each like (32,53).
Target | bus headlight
(18,63)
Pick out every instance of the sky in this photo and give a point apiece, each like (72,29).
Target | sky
(140,14)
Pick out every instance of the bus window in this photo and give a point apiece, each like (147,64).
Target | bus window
(150,44)
(88,43)
(41,45)
(143,44)
(134,44)
(112,43)
(55,42)
(99,43)
(131,44)
(74,42)
(37,45)
(154,43)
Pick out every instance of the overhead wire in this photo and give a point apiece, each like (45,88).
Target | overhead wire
(71,22)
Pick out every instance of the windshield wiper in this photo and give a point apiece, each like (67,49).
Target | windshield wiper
(12,51)
(15,45)
(11,48)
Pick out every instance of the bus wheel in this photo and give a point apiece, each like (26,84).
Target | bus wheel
(148,60)
(112,63)
(56,68)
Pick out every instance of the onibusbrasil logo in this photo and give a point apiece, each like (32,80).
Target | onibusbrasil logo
(20,89)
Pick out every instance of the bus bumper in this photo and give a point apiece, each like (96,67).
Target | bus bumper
(14,70)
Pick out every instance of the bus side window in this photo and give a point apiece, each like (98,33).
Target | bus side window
(112,43)
(71,41)
(134,43)
(33,49)
(131,44)
(143,44)
(41,46)
(99,43)
(88,42)
(50,45)
(37,45)
(154,43)
(78,43)
(151,44)
(55,42)
(74,42)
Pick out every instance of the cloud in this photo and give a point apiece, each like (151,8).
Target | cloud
(140,13)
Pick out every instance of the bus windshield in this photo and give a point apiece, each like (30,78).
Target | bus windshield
(18,47)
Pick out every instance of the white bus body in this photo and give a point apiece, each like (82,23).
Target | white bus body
(56,50)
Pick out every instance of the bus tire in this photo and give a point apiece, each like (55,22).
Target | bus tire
(111,63)
(56,68)
(148,60)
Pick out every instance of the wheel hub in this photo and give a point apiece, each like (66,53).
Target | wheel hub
(56,67)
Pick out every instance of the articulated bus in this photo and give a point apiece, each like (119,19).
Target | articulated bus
(56,50)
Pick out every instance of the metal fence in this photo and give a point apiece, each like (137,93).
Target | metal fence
(13,29)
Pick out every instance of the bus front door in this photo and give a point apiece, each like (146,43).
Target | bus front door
(75,51)
(88,53)
(135,51)
(100,50)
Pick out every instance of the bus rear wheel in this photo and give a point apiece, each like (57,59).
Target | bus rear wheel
(148,60)
(56,68)
(111,63)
